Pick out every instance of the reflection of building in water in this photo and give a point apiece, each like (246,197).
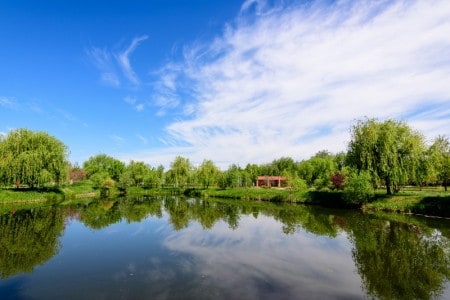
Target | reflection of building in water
(271,181)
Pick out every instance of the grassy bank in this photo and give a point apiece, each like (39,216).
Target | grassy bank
(433,202)
(28,195)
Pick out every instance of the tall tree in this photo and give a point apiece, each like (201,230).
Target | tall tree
(207,173)
(138,171)
(181,171)
(104,164)
(32,158)
(390,151)
(439,155)
(318,169)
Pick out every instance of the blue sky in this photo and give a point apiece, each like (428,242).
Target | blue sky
(232,81)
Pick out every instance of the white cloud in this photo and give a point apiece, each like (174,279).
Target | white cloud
(143,139)
(123,59)
(291,82)
(8,102)
(117,139)
(102,59)
(134,103)
(108,63)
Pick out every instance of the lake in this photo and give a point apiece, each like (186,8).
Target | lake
(185,248)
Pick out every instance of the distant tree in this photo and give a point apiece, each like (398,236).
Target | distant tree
(317,170)
(306,171)
(340,160)
(207,173)
(181,171)
(233,176)
(390,151)
(253,172)
(98,178)
(76,174)
(125,181)
(155,177)
(284,165)
(32,158)
(138,171)
(103,163)
(439,154)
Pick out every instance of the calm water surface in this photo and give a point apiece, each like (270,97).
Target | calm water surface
(178,248)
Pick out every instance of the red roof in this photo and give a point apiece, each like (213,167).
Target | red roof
(271,178)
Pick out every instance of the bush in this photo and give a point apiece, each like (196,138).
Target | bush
(358,188)
(337,181)
(299,185)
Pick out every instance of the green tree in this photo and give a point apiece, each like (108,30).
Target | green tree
(181,171)
(125,181)
(284,165)
(207,173)
(233,176)
(253,171)
(317,170)
(138,171)
(155,177)
(103,163)
(32,158)
(390,151)
(439,153)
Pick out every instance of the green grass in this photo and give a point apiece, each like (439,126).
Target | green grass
(81,188)
(427,201)
(28,195)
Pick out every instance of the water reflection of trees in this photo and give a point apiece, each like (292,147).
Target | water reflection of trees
(397,257)
(406,258)
(399,260)
(100,214)
(28,238)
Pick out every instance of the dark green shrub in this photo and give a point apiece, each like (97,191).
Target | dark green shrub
(358,188)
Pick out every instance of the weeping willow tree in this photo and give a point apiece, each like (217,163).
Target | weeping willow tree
(390,151)
(32,158)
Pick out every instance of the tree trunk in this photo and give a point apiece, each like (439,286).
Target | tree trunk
(388,187)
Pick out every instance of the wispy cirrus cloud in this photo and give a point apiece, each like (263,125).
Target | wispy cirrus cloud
(138,106)
(69,117)
(8,102)
(102,59)
(116,66)
(290,80)
(123,59)
(117,139)
(143,139)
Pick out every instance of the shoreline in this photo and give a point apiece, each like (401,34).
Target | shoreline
(421,204)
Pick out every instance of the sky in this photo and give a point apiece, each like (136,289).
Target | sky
(235,81)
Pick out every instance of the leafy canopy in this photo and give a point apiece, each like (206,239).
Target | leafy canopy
(390,151)
(32,158)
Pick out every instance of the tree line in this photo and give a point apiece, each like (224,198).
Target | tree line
(386,154)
